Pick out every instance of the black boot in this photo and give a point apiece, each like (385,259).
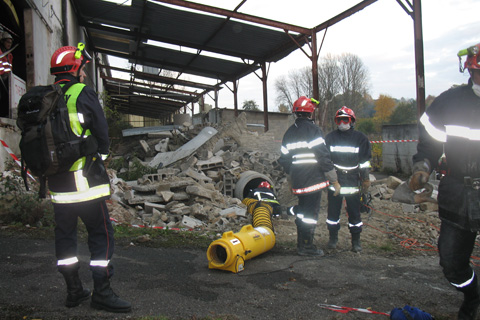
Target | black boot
(471,302)
(356,246)
(75,291)
(305,235)
(103,298)
(333,239)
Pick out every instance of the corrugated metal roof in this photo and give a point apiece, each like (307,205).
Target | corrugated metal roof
(123,31)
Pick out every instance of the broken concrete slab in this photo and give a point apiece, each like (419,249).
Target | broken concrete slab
(146,130)
(238,211)
(191,223)
(167,158)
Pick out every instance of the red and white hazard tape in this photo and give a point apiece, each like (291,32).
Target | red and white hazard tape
(348,309)
(14,157)
(387,141)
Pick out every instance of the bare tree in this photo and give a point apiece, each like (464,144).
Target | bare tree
(343,80)
(353,80)
(289,88)
(328,84)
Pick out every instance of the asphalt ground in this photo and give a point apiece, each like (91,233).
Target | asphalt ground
(177,284)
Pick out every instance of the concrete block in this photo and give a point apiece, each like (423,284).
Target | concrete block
(393,182)
(149,206)
(145,146)
(162,146)
(159,135)
(213,162)
(199,191)
(191,223)
(129,194)
(221,222)
(167,195)
(180,196)
(199,176)
(238,211)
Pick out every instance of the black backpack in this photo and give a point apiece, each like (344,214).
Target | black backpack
(48,145)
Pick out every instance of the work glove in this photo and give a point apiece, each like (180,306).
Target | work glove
(337,187)
(420,175)
(365,185)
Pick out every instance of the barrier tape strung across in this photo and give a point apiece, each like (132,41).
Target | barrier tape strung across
(348,309)
(14,157)
(388,141)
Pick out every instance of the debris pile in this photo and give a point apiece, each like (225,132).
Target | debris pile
(192,176)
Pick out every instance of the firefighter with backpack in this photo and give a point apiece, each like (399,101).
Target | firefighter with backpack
(81,191)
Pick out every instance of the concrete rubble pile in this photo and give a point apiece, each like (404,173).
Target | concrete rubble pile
(194,184)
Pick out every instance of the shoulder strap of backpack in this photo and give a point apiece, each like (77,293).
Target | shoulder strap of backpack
(67,86)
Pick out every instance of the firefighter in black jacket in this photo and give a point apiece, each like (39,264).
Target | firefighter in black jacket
(306,159)
(351,154)
(451,126)
(81,191)
(264,192)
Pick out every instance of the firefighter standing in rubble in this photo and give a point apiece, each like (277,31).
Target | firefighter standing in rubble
(305,157)
(350,152)
(451,126)
(81,192)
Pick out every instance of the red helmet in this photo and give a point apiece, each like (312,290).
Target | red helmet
(265,184)
(473,57)
(303,104)
(69,59)
(345,112)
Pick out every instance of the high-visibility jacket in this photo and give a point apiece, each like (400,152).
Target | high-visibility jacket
(6,63)
(351,153)
(305,157)
(86,112)
(452,125)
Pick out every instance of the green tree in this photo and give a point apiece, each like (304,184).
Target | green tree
(250,105)
(367,126)
(404,113)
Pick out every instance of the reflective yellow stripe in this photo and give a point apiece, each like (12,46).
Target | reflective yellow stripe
(100,191)
(78,165)
(80,181)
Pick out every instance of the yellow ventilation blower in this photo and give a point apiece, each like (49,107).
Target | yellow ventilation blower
(232,250)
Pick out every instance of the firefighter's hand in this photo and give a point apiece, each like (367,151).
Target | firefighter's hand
(337,187)
(418,180)
(365,185)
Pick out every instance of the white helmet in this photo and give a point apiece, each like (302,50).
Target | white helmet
(6,35)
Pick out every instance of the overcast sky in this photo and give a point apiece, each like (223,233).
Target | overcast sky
(381,35)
